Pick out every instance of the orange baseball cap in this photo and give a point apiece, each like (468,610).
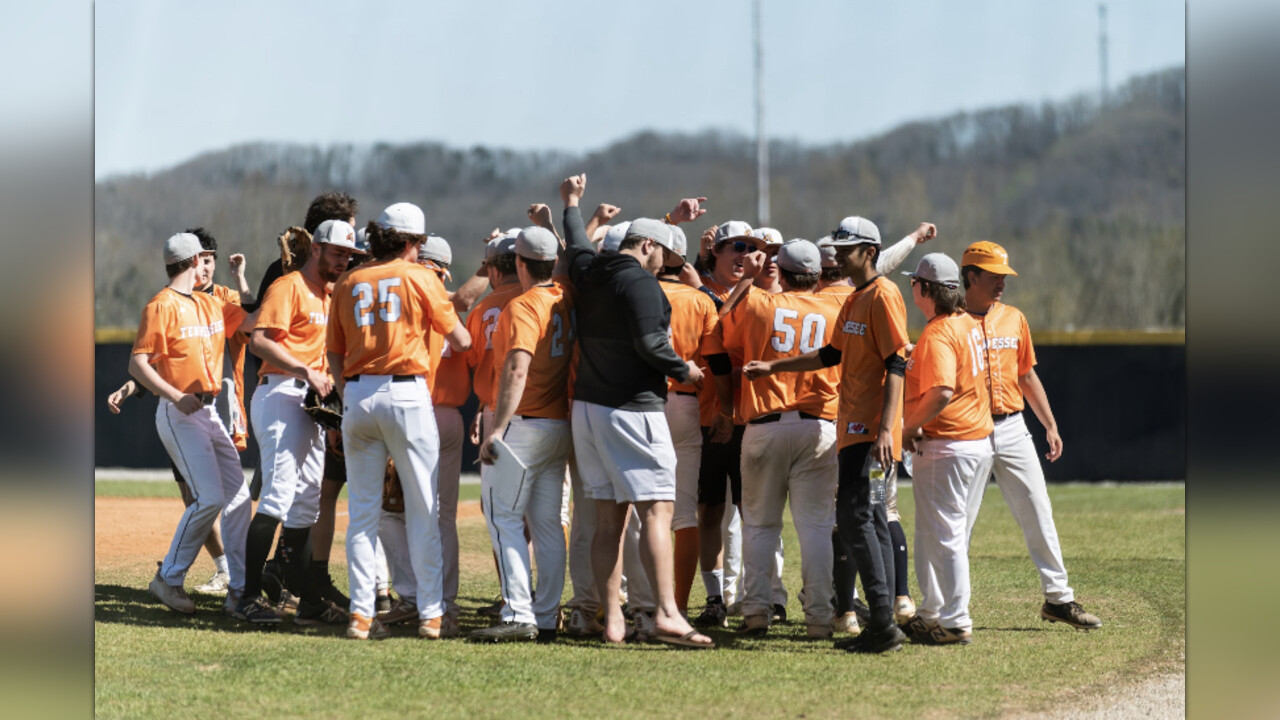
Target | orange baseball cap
(988,256)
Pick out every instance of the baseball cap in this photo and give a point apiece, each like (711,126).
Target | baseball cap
(181,246)
(537,243)
(772,238)
(435,249)
(336,232)
(799,256)
(988,256)
(404,217)
(855,230)
(362,240)
(504,244)
(614,237)
(938,268)
(828,252)
(650,229)
(681,244)
(732,230)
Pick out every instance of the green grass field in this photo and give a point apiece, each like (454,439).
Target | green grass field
(1124,546)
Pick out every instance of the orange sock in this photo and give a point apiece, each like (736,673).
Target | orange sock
(686,564)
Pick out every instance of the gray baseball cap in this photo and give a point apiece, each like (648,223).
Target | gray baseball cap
(180,247)
(404,217)
(938,268)
(504,244)
(614,237)
(799,256)
(731,230)
(537,243)
(337,232)
(436,249)
(855,230)
(828,252)
(654,230)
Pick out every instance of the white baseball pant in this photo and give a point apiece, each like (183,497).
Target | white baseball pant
(393,538)
(686,436)
(581,530)
(946,473)
(291,448)
(731,536)
(1021,479)
(791,458)
(534,499)
(450,426)
(201,448)
(386,417)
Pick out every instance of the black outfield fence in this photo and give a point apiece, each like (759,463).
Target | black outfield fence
(1121,410)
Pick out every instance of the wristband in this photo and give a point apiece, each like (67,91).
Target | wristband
(667,219)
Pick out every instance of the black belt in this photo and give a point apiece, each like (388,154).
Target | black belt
(394,378)
(206,398)
(1005,416)
(775,417)
(296,382)
(687,394)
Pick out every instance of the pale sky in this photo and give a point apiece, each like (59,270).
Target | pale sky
(172,80)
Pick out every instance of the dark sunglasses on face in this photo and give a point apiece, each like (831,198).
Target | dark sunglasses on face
(846,234)
(739,246)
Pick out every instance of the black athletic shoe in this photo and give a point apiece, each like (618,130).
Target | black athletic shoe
(779,614)
(505,631)
(273,581)
(715,614)
(1070,613)
(258,611)
(887,639)
(319,613)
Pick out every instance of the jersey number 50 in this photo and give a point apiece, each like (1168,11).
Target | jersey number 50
(387,299)
(812,331)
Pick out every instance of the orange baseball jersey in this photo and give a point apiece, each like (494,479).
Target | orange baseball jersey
(481,323)
(871,327)
(693,317)
(384,314)
(713,344)
(295,313)
(949,354)
(839,292)
(184,335)
(538,322)
(767,327)
(1007,340)
(236,344)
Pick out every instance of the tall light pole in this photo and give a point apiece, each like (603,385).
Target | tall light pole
(762,145)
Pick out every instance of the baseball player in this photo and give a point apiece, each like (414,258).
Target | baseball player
(693,317)
(178,356)
(533,344)
(621,439)
(290,339)
(1013,384)
(948,425)
(788,447)
(385,312)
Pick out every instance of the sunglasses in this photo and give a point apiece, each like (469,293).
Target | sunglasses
(739,246)
(846,234)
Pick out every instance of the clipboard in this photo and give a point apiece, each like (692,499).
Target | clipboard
(509,475)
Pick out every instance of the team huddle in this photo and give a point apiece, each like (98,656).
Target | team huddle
(649,406)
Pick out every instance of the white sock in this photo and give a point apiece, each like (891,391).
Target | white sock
(713,581)
(221,563)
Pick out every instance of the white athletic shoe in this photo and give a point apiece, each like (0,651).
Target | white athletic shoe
(847,623)
(903,610)
(174,598)
(217,584)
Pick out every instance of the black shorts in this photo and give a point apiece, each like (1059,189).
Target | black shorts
(721,464)
(335,466)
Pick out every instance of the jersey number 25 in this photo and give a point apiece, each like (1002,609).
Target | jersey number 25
(389,301)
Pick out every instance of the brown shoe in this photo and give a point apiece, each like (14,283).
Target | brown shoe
(1070,613)
(430,629)
(363,628)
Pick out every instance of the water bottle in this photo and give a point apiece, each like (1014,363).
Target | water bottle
(876,476)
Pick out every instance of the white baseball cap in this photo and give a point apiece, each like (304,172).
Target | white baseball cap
(337,232)
(436,249)
(614,237)
(537,243)
(937,268)
(799,256)
(855,230)
(731,230)
(181,246)
(771,237)
(404,217)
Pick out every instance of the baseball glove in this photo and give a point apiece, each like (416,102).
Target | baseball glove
(327,410)
(295,243)
(392,491)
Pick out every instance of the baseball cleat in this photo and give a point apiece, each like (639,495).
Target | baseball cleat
(257,611)
(757,625)
(432,629)
(173,597)
(400,611)
(319,613)
(217,584)
(363,628)
(903,609)
(582,624)
(847,623)
(779,614)
(505,631)
(1070,613)
(926,633)
(887,639)
(715,614)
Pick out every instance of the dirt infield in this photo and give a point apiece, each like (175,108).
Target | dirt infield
(129,532)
